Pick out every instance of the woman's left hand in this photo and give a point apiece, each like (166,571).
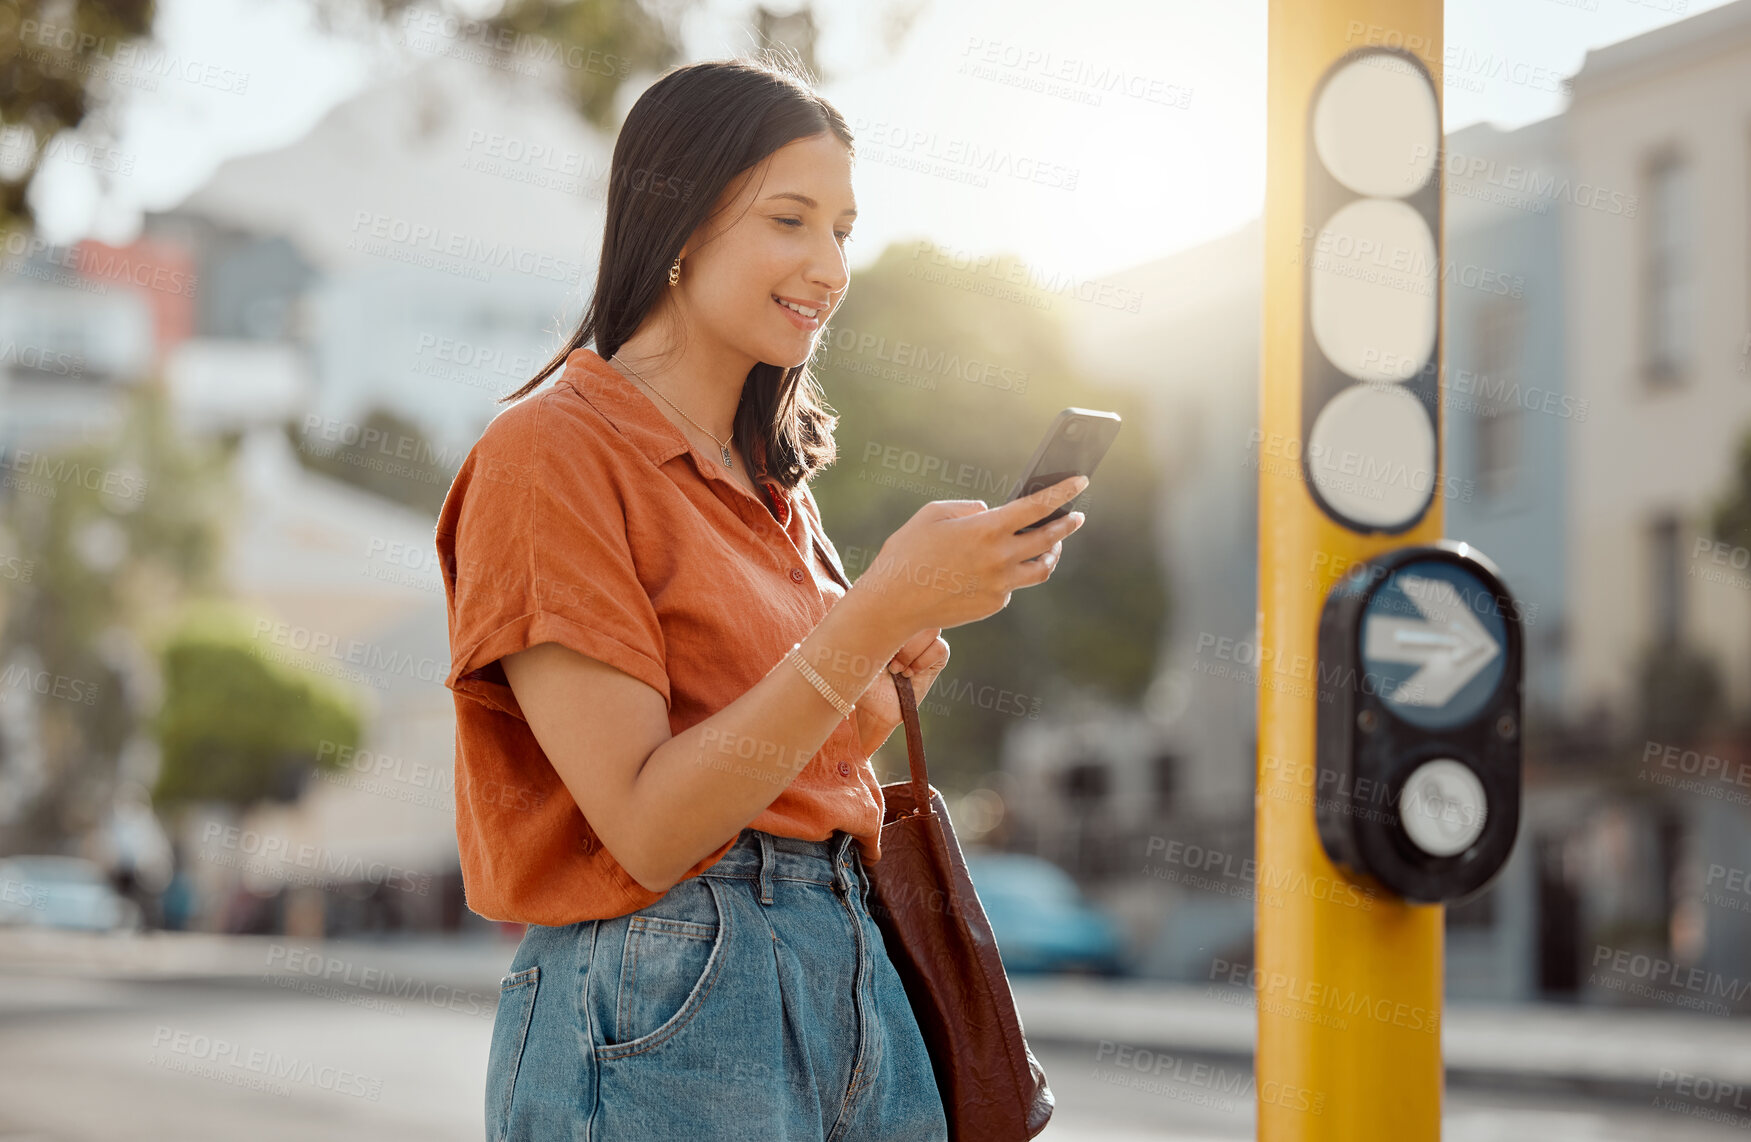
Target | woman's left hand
(921,659)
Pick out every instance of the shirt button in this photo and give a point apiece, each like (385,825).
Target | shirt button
(845,769)
(798,574)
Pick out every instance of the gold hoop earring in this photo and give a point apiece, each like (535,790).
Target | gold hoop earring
(675,273)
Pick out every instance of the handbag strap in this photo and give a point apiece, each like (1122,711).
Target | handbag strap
(914,741)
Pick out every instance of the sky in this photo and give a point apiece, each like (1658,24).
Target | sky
(1076,178)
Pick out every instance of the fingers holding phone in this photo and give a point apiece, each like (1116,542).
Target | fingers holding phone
(957,561)
(1073,446)
(1044,536)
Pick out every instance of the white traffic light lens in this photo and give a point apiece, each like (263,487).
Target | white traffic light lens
(1371,454)
(1372,290)
(1376,127)
(1443,807)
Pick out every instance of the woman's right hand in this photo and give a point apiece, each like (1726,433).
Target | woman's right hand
(957,561)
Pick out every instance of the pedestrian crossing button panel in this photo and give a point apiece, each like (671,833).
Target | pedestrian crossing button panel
(1417,724)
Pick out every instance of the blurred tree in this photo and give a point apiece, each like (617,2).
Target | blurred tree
(63,63)
(53,70)
(391,457)
(1730,522)
(944,381)
(106,535)
(592,45)
(1731,519)
(237,727)
(1680,691)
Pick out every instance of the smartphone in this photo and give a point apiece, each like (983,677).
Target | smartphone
(1074,444)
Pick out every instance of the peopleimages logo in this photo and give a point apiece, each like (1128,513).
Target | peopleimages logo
(1168,1075)
(1653,977)
(231,846)
(294,966)
(40,360)
(51,470)
(1273,881)
(923,359)
(420,242)
(257,1068)
(1399,267)
(370,656)
(1524,180)
(45,684)
(963,157)
(1324,1003)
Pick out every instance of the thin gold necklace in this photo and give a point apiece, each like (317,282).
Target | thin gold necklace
(723,445)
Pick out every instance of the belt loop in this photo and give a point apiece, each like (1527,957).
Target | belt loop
(840,850)
(765,839)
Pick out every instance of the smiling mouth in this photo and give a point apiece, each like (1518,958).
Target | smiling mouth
(806,313)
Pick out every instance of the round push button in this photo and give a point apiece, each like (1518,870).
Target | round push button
(1443,807)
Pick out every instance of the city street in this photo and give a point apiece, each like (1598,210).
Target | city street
(93,1060)
(1288,465)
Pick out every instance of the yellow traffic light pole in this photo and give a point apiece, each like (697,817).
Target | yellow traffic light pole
(1348,985)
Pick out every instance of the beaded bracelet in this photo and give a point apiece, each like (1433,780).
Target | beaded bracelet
(818,682)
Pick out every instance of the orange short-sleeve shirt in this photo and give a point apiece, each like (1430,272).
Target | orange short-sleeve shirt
(583,516)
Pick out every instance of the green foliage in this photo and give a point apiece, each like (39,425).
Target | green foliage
(52,55)
(389,455)
(599,42)
(238,727)
(103,534)
(1731,522)
(943,389)
(1731,519)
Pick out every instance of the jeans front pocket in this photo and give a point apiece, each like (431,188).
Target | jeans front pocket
(668,964)
(510,1032)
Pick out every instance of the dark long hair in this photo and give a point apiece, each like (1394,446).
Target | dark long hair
(688,136)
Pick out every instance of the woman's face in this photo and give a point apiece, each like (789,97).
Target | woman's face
(784,228)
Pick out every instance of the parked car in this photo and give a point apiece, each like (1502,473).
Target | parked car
(1040,919)
(62,892)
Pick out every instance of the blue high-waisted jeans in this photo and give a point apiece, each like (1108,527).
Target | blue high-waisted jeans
(754,1002)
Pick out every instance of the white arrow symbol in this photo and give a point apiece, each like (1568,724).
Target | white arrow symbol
(1447,642)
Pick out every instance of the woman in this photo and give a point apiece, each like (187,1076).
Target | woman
(666,690)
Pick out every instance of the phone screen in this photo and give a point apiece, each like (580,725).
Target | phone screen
(1073,446)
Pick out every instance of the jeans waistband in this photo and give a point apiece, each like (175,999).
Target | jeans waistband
(763,856)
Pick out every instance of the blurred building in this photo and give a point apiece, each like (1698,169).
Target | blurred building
(70,347)
(453,216)
(208,310)
(1658,306)
(1659,310)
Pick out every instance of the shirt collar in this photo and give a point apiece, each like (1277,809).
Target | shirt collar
(627,409)
(638,419)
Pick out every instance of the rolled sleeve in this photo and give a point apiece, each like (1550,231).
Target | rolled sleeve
(533,546)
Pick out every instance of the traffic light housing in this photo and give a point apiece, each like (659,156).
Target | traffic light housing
(1371,271)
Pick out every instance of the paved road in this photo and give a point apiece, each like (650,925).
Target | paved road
(84,1060)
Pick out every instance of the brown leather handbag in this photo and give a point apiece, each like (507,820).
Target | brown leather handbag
(922,899)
